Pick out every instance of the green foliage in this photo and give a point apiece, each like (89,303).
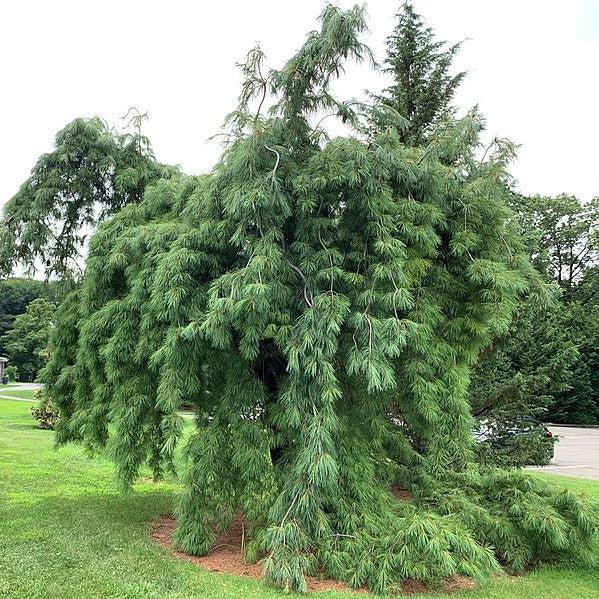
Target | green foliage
(15,295)
(12,372)
(92,172)
(513,442)
(579,403)
(26,343)
(307,297)
(525,370)
(423,87)
(45,411)
(559,232)
(547,365)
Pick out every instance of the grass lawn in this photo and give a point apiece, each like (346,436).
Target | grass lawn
(24,393)
(66,532)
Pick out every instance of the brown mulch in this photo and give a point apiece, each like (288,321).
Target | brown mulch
(400,494)
(458,583)
(227,556)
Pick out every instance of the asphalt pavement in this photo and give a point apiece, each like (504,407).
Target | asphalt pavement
(576,452)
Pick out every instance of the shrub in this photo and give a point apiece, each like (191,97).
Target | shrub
(45,412)
(12,372)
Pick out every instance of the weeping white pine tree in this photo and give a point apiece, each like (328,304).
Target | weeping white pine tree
(320,303)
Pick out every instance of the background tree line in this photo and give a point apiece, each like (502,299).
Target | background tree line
(26,310)
(548,364)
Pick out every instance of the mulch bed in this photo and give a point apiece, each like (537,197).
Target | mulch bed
(227,556)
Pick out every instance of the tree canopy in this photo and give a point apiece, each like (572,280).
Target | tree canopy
(548,361)
(92,172)
(320,304)
(559,232)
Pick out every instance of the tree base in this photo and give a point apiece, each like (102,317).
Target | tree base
(228,557)
(470,526)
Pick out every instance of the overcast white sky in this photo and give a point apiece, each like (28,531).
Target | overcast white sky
(532,69)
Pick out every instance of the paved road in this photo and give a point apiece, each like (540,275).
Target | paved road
(576,452)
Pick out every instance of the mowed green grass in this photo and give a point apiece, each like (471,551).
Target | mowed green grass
(66,532)
(24,393)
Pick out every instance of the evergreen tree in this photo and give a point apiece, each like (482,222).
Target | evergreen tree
(92,173)
(423,86)
(586,322)
(524,372)
(579,402)
(320,304)
(26,343)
